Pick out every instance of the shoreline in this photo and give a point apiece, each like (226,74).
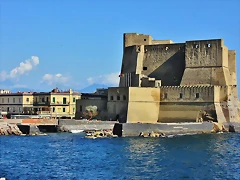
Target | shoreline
(118,129)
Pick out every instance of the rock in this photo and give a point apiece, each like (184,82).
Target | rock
(231,128)
(142,134)
(224,129)
(9,129)
(154,134)
(217,127)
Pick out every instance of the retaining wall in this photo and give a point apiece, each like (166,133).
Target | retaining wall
(134,129)
(68,125)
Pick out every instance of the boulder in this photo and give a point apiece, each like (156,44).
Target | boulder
(217,127)
(142,134)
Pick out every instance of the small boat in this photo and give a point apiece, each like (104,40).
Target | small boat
(76,131)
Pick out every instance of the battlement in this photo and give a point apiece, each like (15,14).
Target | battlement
(183,87)
(197,86)
(130,39)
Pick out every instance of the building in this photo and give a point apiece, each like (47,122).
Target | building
(4,91)
(197,79)
(16,103)
(56,103)
(95,102)
(163,81)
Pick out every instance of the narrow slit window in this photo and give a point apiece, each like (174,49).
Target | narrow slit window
(118,97)
(196,46)
(181,95)
(144,68)
(111,97)
(209,45)
(124,97)
(197,95)
(165,95)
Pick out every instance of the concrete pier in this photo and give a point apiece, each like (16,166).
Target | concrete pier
(134,129)
(68,125)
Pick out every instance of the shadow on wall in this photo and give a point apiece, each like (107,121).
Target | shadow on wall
(171,72)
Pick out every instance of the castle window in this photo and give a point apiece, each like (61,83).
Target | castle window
(118,97)
(181,96)
(111,97)
(208,45)
(124,97)
(166,48)
(165,95)
(80,108)
(197,95)
(196,46)
(145,40)
(144,68)
(138,49)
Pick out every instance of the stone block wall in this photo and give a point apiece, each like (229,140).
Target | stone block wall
(184,103)
(164,62)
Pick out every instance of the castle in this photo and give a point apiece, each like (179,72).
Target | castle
(163,81)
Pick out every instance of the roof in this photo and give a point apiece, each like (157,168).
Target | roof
(57,91)
(17,94)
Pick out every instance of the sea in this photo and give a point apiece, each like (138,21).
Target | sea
(71,156)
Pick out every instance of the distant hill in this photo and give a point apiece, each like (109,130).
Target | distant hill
(92,88)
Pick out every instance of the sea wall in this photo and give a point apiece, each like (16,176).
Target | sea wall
(134,129)
(68,125)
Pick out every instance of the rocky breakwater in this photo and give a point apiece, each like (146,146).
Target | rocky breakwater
(100,134)
(9,129)
(217,128)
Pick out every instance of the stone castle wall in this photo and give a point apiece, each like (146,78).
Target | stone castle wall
(203,68)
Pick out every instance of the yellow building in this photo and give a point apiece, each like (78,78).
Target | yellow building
(56,103)
(16,103)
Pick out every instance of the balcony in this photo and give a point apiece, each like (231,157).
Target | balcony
(60,103)
(41,103)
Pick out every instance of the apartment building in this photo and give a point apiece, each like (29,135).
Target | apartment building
(16,103)
(56,103)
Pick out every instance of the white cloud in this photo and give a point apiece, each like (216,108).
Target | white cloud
(56,79)
(19,86)
(23,68)
(106,79)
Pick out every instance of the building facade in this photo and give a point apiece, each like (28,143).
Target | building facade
(56,103)
(197,79)
(92,102)
(16,103)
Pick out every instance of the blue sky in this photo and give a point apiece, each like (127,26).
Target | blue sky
(76,43)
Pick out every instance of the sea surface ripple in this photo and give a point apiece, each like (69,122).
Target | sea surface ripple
(70,156)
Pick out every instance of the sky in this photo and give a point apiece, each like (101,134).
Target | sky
(75,43)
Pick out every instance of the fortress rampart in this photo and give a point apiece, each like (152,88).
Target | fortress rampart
(195,77)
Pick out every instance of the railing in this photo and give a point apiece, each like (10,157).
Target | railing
(60,103)
(51,103)
(41,103)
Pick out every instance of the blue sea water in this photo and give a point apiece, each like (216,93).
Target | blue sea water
(70,156)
